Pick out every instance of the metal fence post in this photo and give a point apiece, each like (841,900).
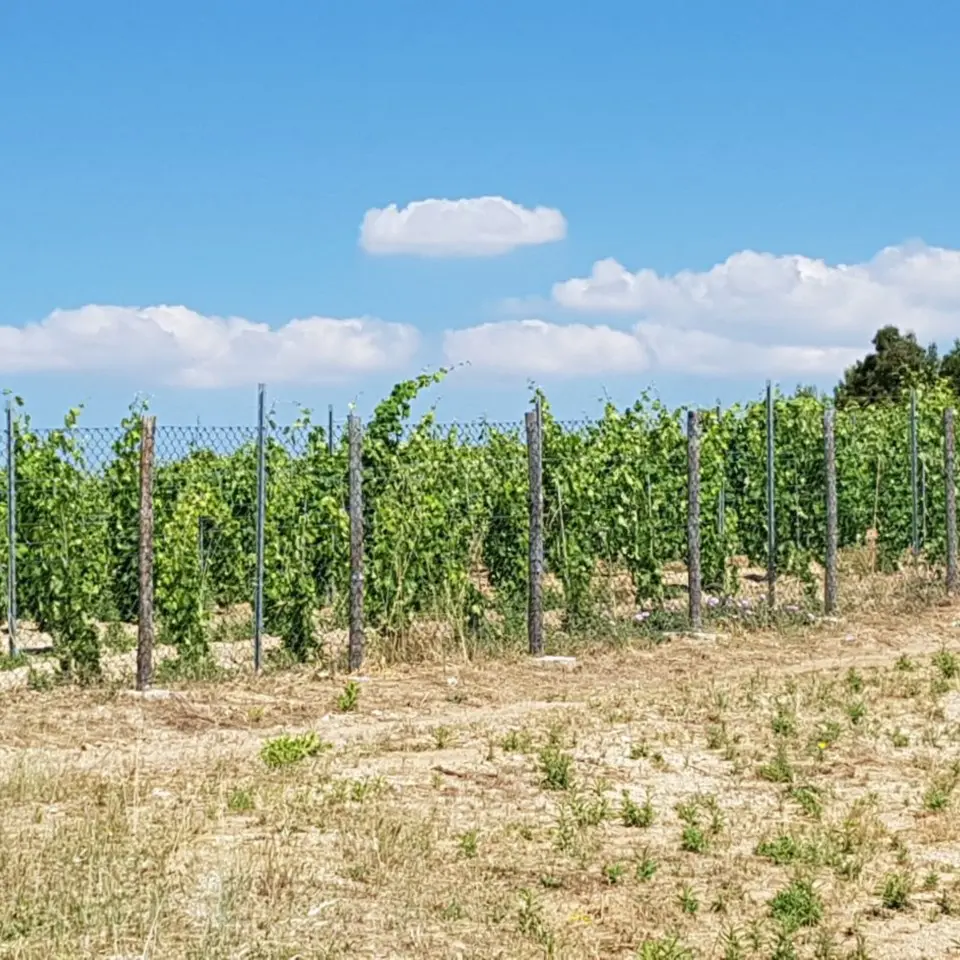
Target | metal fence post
(830,560)
(949,458)
(693,520)
(914,477)
(11,531)
(534,425)
(356,643)
(722,496)
(771,504)
(261,525)
(145,612)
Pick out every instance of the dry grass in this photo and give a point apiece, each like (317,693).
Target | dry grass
(656,795)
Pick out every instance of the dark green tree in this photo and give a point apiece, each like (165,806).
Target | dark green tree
(950,367)
(896,363)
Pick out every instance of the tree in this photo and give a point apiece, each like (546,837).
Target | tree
(950,367)
(897,363)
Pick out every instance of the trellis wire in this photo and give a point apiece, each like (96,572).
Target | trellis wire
(94,457)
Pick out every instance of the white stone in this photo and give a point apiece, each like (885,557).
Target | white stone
(151,694)
(559,663)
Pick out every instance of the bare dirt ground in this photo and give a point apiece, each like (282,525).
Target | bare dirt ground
(760,795)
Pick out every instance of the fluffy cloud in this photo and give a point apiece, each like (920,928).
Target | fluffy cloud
(532,347)
(913,286)
(537,348)
(176,346)
(477,227)
(708,354)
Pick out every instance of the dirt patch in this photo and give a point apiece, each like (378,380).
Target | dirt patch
(756,793)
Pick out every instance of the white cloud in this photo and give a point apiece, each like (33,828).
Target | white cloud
(177,346)
(538,348)
(913,286)
(533,347)
(698,352)
(476,227)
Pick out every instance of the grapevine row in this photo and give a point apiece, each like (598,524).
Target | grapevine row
(445,516)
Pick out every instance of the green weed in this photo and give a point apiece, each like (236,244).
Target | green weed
(285,750)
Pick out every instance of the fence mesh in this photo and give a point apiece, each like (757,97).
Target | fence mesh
(446,518)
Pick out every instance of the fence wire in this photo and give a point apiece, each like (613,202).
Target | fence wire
(446,515)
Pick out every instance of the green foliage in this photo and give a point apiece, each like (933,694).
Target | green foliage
(897,363)
(797,905)
(349,698)
(285,750)
(446,515)
(664,948)
(896,890)
(636,814)
(556,768)
(782,850)
(63,552)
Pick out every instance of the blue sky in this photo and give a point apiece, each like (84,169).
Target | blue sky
(222,156)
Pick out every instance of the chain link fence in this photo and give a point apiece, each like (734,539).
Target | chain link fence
(437,536)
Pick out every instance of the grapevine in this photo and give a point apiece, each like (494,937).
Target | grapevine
(446,517)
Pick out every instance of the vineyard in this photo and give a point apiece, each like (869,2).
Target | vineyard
(446,520)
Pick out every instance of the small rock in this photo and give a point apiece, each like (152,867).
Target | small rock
(151,694)
(557,663)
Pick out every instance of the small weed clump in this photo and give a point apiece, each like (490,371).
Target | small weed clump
(664,948)
(779,769)
(798,905)
(613,873)
(857,712)
(636,814)
(350,697)
(688,900)
(516,741)
(285,750)
(896,890)
(782,850)
(646,868)
(696,835)
(809,800)
(947,664)
(443,737)
(468,844)
(556,769)
(8,662)
(899,739)
(784,723)
(938,795)
(240,801)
